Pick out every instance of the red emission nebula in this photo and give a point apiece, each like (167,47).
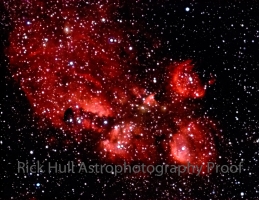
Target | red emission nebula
(68,64)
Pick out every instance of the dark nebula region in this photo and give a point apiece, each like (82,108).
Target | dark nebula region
(110,82)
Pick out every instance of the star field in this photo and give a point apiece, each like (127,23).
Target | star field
(141,82)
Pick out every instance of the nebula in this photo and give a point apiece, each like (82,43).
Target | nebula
(77,69)
(185,82)
(194,144)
